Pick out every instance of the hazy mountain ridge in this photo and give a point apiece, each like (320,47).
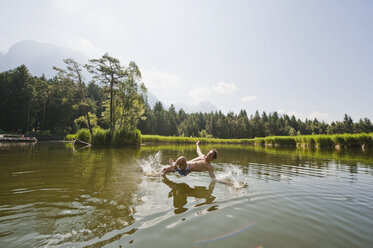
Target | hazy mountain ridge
(204,107)
(38,57)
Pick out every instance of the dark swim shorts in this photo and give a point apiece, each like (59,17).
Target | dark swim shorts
(183,172)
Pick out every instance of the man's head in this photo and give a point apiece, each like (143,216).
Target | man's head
(211,155)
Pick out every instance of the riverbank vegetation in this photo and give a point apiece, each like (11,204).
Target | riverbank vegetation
(186,140)
(110,101)
(339,141)
(101,136)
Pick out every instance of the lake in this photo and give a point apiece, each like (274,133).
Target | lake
(54,196)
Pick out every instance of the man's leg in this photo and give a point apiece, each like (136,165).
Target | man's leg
(180,163)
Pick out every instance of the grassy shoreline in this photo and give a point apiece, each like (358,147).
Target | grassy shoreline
(338,141)
(106,137)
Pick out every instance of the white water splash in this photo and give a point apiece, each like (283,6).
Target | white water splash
(233,176)
(151,165)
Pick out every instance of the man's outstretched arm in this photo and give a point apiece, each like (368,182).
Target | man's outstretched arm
(211,172)
(200,154)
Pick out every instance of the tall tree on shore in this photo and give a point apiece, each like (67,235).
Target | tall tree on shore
(16,91)
(172,117)
(108,71)
(43,90)
(29,93)
(74,74)
(132,94)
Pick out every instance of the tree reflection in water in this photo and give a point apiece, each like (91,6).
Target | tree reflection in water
(181,191)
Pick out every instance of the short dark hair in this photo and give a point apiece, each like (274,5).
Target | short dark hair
(215,154)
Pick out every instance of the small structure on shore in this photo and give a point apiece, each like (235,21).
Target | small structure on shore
(16,138)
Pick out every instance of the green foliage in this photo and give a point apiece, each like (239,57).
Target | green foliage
(292,132)
(100,136)
(35,105)
(309,140)
(119,137)
(204,134)
(108,136)
(339,140)
(84,135)
(324,141)
(45,133)
(259,141)
(283,140)
(180,139)
(31,104)
(364,138)
(126,136)
(82,122)
(351,140)
(70,137)
(161,122)
(346,140)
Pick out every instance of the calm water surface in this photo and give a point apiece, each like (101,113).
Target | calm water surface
(52,196)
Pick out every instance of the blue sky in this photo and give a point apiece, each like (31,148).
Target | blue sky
(308,58)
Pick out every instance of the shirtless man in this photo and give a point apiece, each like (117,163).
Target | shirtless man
(199,164)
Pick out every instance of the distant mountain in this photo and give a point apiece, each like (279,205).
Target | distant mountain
(38,57)
(203,107)
(152,100)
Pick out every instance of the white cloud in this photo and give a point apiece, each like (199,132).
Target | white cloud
(87,47)
(224,88)
(248,98)
(90,19)
(303,116)
(201,93)
(66,5)
(204,107)
(167,87)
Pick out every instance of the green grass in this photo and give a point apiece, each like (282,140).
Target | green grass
(186,140)
(84,135)
(126,137)
(324,141)
(331,141)
(100,136)
(130,137)
(70,137)
(105,137)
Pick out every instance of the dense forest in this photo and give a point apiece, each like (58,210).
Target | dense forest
(116,98)
(218,125)
(113,99)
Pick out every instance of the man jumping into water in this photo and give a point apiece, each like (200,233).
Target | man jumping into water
(199,164)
